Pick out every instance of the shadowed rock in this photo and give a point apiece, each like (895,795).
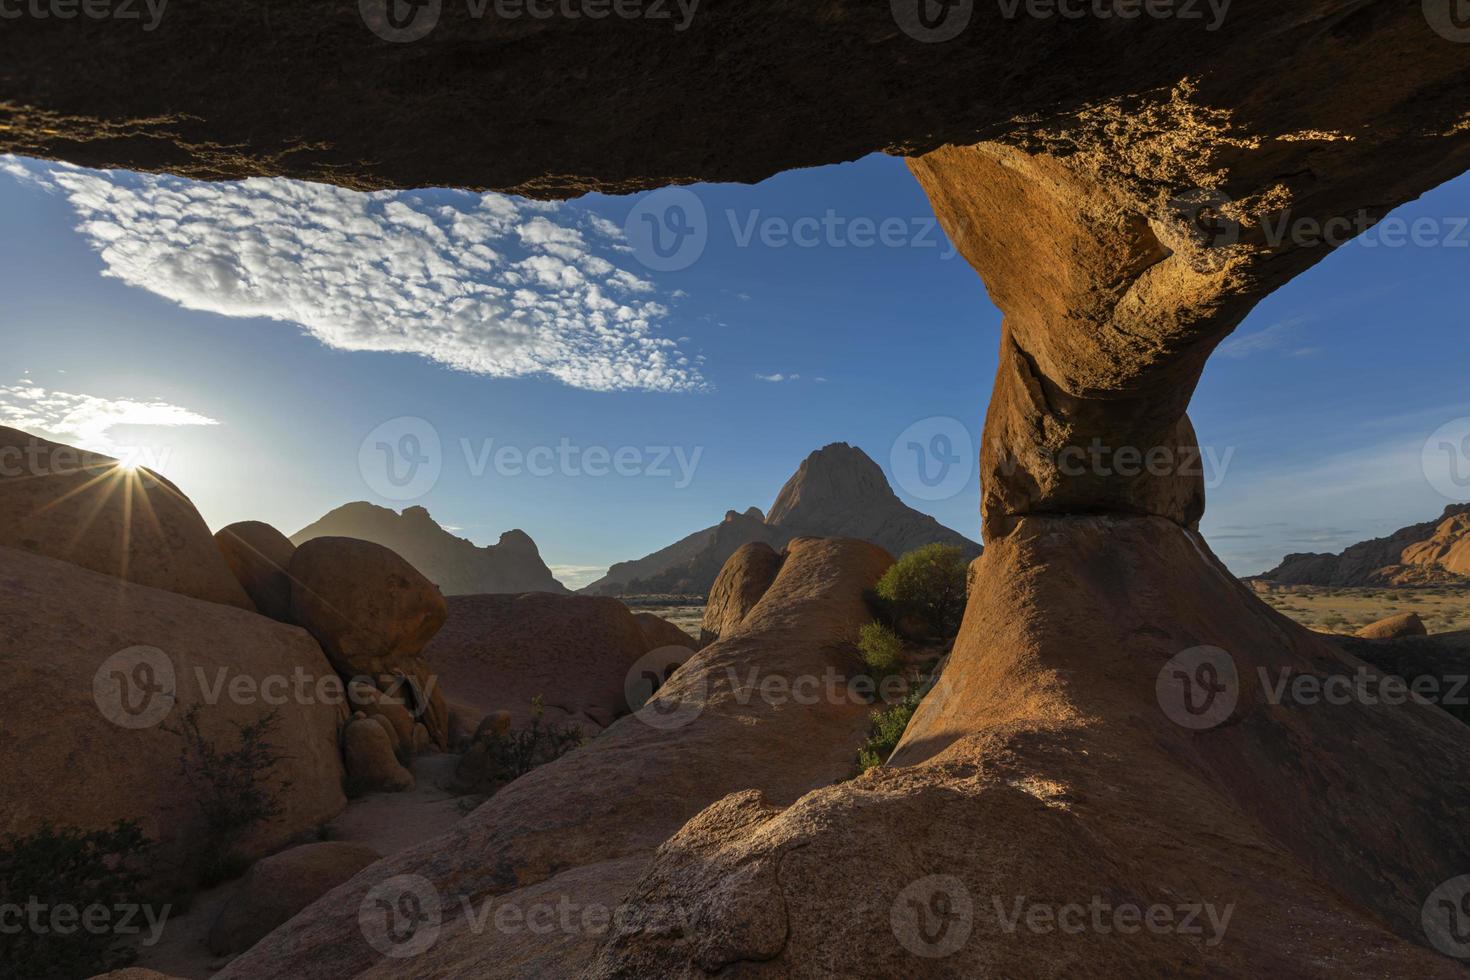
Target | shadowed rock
(740,585)
(259,555)
(85,745)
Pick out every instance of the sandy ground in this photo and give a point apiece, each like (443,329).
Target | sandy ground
(386,822)
(685,615)
(1443,608)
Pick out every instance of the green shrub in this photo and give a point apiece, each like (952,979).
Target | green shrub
(233,789)
(73,869)
(513,754)
(888,728)
(926,588)
(881,648)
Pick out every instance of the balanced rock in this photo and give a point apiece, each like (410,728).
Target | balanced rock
(1393,627)
(372,766)
(259,555)
(739,586)
(369,609)
(501,652)
(132,524)
(277,887)
(659,632)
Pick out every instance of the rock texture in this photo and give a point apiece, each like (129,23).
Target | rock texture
(1433,553)
(580,829)
(259,555)
(499,652)
(1056,734)
(277,887)
(741,583)
(456,565)
(1393,627)
(81,507)
(82,742)
(837,492)
(372,763)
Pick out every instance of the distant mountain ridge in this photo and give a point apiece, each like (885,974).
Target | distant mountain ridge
(458,566)
(837,491)
(1433,553)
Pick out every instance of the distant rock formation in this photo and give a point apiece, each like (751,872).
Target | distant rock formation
(837,492)
(458,566)
(1433,553)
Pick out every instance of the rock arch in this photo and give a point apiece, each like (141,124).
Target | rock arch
(1116,185)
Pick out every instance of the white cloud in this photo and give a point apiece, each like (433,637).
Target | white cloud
(487,284)
(86,421)
(778,378)
(1273,337)
(576,576)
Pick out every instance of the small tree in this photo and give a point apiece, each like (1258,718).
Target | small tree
(68,868)
(881,648)
(232,788)
(925,589)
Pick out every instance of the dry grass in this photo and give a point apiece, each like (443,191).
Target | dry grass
(1328,610)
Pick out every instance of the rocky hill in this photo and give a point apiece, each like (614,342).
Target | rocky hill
(458,566)
(837,492)
(1433,553)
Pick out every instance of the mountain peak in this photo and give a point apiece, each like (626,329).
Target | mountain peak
(835,477)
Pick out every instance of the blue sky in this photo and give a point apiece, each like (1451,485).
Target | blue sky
(271,335)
